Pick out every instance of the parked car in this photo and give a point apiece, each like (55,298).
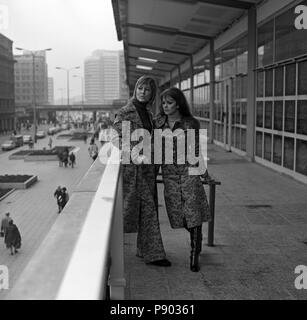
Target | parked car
(8,145)
(53,130)
(18,139)
(40,134)
(27,139)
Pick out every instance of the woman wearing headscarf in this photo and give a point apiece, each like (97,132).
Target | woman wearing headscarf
(184,195)
(139,187)
(13,238)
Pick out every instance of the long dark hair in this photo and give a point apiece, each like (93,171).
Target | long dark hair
(180,99)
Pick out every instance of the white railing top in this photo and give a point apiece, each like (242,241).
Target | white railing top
(87,272)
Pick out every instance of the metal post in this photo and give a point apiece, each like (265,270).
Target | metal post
(179,76)
(191,83)
(34,98)
(212,209)
(251,82)
(68,98)
(212,91)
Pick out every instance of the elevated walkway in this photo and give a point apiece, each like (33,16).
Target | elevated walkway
(260,238)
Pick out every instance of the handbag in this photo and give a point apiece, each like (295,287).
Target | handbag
(1,234)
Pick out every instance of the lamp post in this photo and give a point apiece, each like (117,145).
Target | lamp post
(67,73)
(82,95)
(33,54)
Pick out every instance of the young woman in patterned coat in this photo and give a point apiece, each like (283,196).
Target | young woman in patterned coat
(184,195)
(139,188)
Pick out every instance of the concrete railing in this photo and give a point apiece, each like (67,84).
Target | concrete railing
(82,255)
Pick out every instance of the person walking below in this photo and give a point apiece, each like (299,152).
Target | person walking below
(50,143)
(57,194)
(93,150)
(63,199)
(139,187)
(72,159)
(65,157)
(5,224)
(13,238)
(185,198)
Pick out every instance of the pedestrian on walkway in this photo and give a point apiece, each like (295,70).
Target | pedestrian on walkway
(5,224)
(72,159)
(140,207)
(185,198)
(50,142)
(13,238)
(65,155)
(57,194)
(93,150)
(63,198)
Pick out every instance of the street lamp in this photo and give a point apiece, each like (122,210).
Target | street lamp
(67,72)
(33,54)
(82,96)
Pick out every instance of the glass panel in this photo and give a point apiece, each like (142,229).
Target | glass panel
(259,122)
(288,153)
(237,144)
(244,87)
(233,136)
(278,115)
(289,42)
(259,144)
(277,147)
(260,76)
(237,113)
(269,83)
(267,146)
(243,139)
(302,117)
(243,111)
(289,116)
(301,156)
(290,79)
(279,82)
(302,77)
(265,44)
(268,115)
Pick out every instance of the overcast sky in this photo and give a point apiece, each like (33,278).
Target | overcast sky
(72,28)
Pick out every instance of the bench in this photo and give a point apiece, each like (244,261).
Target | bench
(212,187)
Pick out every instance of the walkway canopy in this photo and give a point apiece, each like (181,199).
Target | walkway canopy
(160,36)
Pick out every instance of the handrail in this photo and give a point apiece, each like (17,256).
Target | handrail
(87,274)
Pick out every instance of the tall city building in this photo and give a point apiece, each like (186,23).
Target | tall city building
(104,77)
(24,75)
(50,91)
(7,104)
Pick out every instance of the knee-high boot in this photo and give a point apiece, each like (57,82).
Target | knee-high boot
(196,239)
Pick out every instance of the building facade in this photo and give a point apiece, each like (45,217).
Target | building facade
(104,77)
(7,102)
(24,76)
(280,127)
(50,90)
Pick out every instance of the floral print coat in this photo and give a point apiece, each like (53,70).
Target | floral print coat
(184,195)
(138,179)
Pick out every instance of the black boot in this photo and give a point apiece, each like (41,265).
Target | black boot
(196,239)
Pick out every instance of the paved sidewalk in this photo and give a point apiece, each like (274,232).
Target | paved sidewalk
(260,230)
(35,209)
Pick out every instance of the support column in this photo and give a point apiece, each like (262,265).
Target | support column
(251,82)
(179,77)
(191,83)
(212,92)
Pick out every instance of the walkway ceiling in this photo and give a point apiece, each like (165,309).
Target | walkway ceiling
(163,34)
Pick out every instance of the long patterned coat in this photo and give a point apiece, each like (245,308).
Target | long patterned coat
(139,193)
(138,180)
(184,195)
